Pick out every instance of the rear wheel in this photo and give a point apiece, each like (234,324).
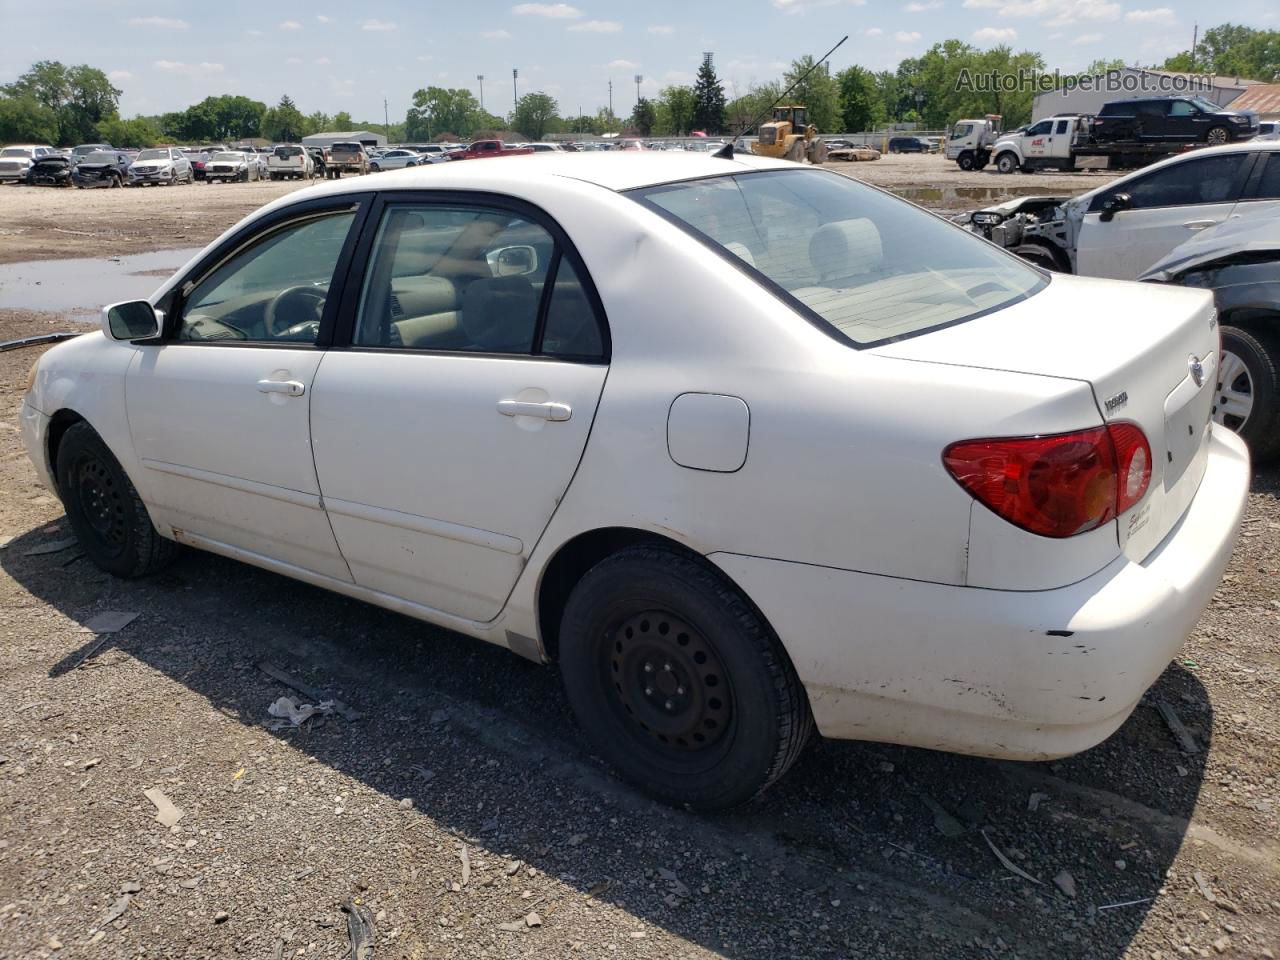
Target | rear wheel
(1248,395)
(678,682)
(965,161)
(795,152)
(1007,163)
(104,510)
(1217,136)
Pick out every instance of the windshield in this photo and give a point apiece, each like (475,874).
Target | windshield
(84,149)
(227,156)
(98,156)
(866,265)
(154,155)
(15,152)
(1207,105)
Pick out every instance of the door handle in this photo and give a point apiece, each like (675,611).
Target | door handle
(1200,224)
(290,388)
(543,411)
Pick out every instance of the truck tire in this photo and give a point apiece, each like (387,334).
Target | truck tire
(965,161)
(1043,255)
(677,680)
(1248,390)
(1007,162)
(1216,136)
(795,152)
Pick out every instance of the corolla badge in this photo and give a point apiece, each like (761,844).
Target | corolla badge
(1197,370)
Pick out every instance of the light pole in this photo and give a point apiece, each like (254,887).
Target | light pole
(515,99)
(386,119)
(639,78)
(480,77)
(611,98)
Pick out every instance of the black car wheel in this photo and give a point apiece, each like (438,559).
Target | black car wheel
(1248,390)
(678,682)
(1217,136)
(965,161)
(104,510)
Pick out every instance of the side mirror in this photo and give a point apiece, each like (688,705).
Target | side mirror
(513,261)
(131,320)
(1113,205)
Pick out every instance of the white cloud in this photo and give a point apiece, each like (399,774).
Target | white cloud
(597,26)
(203,68)
(1156,15)
(289,25)
(983,4)
(797,6)
(873,32)
(116,76)
(923,7)
(552,11)
(623,64)
(496,35)
(254,33)
(661,28)
(425,59)
(907,36)
(293,61)
(167,23)
(995,34)
(1087,38)
(1059,13)
(378,26)
(322,61)
(321,18)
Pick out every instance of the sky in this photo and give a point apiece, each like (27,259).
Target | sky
(333,56)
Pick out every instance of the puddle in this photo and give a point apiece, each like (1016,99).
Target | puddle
(80,286)
(955,199)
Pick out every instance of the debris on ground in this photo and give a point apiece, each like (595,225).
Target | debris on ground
(115,912)
(53,546)
(465,857)
(221,916)
(1034,801)
(1066,883)
(944,822)
(360,930)
(289,680)
(1180,732)
(533,919)
(109,621)
(166,813)
(290,713)
(1126,903)
(1202,885)
(1008,864)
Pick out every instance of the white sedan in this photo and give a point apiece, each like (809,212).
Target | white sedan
(745,446)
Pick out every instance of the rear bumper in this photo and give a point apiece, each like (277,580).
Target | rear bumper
(1020,675)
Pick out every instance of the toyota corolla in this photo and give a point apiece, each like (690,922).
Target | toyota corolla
(745,447)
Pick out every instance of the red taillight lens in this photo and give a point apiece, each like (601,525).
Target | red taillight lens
(1056,486)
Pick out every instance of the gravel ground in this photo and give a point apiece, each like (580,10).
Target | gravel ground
(464,747)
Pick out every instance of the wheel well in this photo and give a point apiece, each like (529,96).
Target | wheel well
(1052,249)
(59,424)
(573,560)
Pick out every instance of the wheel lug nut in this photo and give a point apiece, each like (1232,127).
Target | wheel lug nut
(648,691)
(666,667)
(679,690)
(670,704)
(648,668)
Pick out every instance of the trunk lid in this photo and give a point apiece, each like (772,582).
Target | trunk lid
(1148,351)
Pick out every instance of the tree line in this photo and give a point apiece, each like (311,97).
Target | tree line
(53,103)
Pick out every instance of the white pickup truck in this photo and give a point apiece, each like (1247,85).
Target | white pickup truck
(1051,142)
(290,160)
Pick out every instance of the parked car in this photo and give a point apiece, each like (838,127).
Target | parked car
(481,149)
(290,160)
(82,150)
(161,166)
(16,160)
(1122,228)
(232,165)
(320,158)
(198,158)
(834,478)
(1239,260)
(908,145)
(396,159)
(102,168)
(546,147)
(51,170)
(347,158)
(1179,119)
(1269,130)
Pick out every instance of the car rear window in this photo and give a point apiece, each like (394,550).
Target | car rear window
(284,153)
(864,265)
(1112,109)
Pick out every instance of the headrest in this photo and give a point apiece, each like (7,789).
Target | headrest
(846,248)
(499,314)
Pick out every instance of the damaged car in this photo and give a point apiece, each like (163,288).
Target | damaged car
(1240,262)
(1121,229)
(51,170)
(102,168)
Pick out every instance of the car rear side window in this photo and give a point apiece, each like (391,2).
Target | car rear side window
(1269,184)
(859,262)
(1212,179)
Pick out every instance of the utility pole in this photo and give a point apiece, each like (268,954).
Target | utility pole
(386,119)
(611,98)
(639,77)
(480,77)
(1195,38)
(515,98)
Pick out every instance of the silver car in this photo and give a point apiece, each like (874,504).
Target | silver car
(232,165)
(16,160)
(162,165)
(396,159)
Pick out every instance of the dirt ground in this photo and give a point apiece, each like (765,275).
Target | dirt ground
(46,223)
(462,810)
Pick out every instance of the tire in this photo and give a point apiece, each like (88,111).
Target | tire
(1216,136)
(115,184)
(104,510)
(1042,256)
(744,718)
(375,169)
(965,161)
(1252,363)
(1007,163)
(795,152)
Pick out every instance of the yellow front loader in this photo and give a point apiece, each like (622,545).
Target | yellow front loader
(789,137)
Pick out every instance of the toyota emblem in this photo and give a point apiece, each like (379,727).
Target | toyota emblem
(1197,370)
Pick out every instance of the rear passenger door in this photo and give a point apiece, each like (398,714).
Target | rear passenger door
(448,427)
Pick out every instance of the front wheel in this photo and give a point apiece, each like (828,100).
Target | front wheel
(1007,163)
(677,680)
(1217,136)
(104,510)
(965,161)
(1248,390)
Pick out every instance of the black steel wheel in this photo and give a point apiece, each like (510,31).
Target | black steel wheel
(104,510)
(678,682)
(965,161)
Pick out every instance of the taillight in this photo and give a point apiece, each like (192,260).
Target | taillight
(1059,485)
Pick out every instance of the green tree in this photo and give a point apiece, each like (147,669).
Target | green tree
(27,120)
(643,118)
(317,122)
(138,132)
(79,97)
(342,120)
(860,106)
(436,109)
(582,124)
(752,107)
(708,98)
(284,123)
(535,114)
(818,92)
(1099,67)
(674,111)
(1233,50)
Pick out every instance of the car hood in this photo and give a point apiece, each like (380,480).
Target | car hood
(1235,236)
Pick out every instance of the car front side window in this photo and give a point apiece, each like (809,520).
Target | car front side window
(272,291)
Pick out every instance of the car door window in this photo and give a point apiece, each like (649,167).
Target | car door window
(1181,108)
(274,290)
(472,279)
(1063,125)
(1202,180)
(1269,183)
(1041,128)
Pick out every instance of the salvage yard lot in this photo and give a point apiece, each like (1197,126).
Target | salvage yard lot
(460,807)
